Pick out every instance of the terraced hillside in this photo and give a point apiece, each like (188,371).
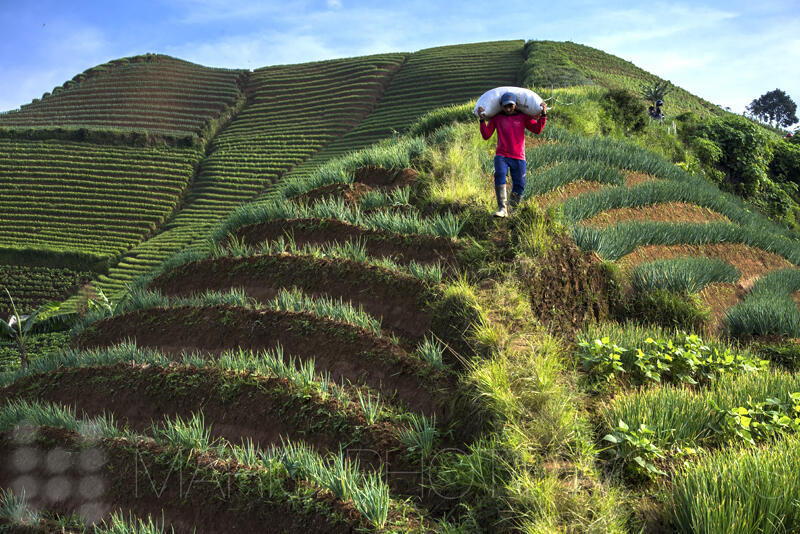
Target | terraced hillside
(336,100)
(320,384)
(261,143)
(366,349)
(153,93)
(87,200)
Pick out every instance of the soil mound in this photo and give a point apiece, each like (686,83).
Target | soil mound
(380,244)
(94,479)
(346,352)
(235,406)
(384,178)
(569,288)
(399,300)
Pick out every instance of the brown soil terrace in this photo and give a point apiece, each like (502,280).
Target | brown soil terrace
(235,406)
(378,243)
(66,473)
(582,187)
(751,262)
(676,212)
(349,193)
(395,298)
(345,351)
(719,298)
(385,179)
(567,191)
(633,178)
(365,180)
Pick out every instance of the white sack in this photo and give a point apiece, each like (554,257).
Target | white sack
(528,102)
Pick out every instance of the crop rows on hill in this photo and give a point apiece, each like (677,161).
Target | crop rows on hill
(430,79)
(158,93)
(107,198)
(277,129)
(32,286)
(282,357)
(734,235)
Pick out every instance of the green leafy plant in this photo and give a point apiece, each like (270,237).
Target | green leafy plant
(602,357)
(635,449)
(760,421)
(685,359)
(19,328)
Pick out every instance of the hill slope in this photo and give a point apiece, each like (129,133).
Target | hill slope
(362,347)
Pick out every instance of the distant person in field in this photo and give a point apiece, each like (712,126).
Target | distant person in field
(510,155)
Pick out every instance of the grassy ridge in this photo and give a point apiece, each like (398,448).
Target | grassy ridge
(155,93)
(566,64)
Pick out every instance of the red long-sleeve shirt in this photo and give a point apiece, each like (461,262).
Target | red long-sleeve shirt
(511,132)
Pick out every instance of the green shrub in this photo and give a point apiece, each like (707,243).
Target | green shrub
(566,172)
(746,150)
(775,202)
(785,164)
(668,309)
(626,108)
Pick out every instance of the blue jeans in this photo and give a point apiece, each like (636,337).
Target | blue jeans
(502,165)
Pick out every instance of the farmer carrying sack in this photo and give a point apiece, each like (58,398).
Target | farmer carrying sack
(528,102)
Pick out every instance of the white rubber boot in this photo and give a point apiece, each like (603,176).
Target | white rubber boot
(502,200)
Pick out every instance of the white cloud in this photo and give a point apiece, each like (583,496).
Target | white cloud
(334,4)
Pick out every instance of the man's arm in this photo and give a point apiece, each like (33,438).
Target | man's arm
(487,128)
(537,125)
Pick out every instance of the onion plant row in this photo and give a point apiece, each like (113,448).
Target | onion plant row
(768,308)
(349,250)
(615,154)
(683,275)
(289,461)
(743,490)
(411,222)
(616,241)
(689,189)
(286,300)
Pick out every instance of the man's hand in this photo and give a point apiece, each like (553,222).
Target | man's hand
(481,114)
(544,108)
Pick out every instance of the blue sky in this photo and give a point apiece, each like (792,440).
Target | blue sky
(728,52)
